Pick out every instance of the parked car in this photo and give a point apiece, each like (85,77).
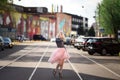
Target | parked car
(72,40)
(102,46)
(85,42)
(67,41)
(21,38)
(79,42)
(39,37)
(1,43)
(7,42)
(52,39)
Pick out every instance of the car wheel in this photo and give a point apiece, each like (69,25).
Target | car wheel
(10,46)
(103,52)
(117,52)
(90,53)
(2,48)
(114,53)
(78,48)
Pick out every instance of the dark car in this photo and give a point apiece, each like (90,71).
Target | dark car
(102,46)
(1,43)
(39,37)
(7,42)
(85,42)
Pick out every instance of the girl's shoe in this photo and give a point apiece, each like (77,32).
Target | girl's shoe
(54,73)
(60,75)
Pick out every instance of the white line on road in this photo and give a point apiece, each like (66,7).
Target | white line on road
(75,70)
(37,64)
(101,66)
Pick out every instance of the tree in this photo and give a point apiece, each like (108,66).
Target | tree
(3,1)
(3,4)
(109,16)
(91,32)
(80,31)
(6,5)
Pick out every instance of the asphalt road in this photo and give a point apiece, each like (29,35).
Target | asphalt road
(29,61)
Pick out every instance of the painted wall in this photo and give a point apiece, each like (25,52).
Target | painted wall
(29,25)
(19,24)
(44,27)
(63,23)
(6,24)
(52,26)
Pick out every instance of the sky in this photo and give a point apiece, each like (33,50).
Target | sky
(85,8)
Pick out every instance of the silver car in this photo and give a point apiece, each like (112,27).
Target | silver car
(1,43)
(7,42)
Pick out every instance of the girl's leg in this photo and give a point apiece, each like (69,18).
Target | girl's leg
(61,68)
(55,70)
(57,67)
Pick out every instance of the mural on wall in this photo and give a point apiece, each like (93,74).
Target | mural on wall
(29,28)
(16,18)
(32,26)
(64,24)
(29,25)
(52,28)
(19,23)
(61,24)
(1,19)
(36,25)
(20,26)
(67,27)
(44,27)
(7,21)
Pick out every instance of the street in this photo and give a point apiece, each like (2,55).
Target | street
(29,61)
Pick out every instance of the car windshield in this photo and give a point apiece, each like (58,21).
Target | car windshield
(92,40)
(6,39)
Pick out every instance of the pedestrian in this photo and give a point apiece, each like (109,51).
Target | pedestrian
(59,55)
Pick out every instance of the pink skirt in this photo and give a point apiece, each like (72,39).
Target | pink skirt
(58,55)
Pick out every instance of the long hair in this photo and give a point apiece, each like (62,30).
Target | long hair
(61,35)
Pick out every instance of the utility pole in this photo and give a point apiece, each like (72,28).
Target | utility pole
(97,21)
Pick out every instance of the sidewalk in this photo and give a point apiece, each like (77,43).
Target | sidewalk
(17,42)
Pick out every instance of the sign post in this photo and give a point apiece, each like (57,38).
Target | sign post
(118,34)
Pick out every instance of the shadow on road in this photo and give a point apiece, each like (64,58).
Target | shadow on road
(23,73)
(93,77)
(8,51)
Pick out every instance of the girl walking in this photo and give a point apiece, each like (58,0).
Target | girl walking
(59,55)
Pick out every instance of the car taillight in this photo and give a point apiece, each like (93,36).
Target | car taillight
(85,43)
(98,43)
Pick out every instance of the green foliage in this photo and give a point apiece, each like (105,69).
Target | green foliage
(3,1)
(4,5)
(80,31)
(109,16)
(91,32)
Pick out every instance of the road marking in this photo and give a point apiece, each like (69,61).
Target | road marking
(75,70)
(101,66)
(38,64)
(16,59)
